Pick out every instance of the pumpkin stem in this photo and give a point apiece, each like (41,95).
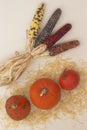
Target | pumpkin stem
(63,74)
(43,92)
(14,106)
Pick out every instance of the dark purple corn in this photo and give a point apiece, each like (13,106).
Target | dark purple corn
(63,47)
(50,41)
(45,33)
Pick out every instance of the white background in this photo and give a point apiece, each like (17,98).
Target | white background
(15,18)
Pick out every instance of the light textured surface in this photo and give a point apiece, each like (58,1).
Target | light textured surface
(15,18)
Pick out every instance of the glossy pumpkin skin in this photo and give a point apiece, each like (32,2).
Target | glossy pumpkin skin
(48,100)
(17,107)
(69,79)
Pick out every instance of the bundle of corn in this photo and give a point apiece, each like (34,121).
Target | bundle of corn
(36,45)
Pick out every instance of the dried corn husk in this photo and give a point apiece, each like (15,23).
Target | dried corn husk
(17,65)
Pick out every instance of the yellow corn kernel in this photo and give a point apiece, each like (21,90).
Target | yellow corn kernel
(35,25)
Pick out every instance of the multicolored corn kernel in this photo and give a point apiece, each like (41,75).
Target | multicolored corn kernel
(35,25)
(63,47)
(50,41)
(49,27)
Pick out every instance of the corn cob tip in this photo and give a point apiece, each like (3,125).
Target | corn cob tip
(77,42)
(41,5)
(59,11)
(69,25)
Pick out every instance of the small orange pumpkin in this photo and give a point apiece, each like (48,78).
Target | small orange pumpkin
(45,93)
(18,107)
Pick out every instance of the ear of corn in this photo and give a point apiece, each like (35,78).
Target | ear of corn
(46,32)
(50,41)
(57,49)
(35,25)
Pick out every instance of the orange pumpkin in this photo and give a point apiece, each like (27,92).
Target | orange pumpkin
(69,79)
(45,93)
(18,107)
